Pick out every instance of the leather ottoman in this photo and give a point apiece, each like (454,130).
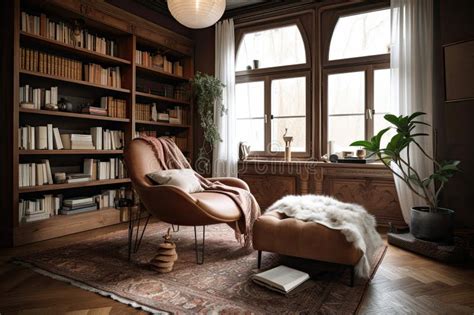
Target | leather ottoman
(275,232)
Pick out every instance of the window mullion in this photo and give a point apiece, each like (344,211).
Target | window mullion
(268,113)
(369,102)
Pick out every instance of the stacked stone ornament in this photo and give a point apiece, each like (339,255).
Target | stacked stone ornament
(163,262)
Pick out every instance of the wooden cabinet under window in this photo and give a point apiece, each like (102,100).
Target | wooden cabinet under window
(369,185)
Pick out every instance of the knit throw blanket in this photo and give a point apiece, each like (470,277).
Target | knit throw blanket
(171,157)
(352,220)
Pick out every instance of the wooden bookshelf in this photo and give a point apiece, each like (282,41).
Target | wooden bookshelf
(72,115)
(130,33)
(154,97)
(69,152)
(65,186)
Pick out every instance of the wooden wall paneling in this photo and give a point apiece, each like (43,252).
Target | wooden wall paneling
(268,189)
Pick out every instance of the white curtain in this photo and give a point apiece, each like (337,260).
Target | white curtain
(225,155)
(411,78)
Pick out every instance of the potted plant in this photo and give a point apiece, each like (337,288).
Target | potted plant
(428,221)
(207,91)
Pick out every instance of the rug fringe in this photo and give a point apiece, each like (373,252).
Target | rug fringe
(89,288)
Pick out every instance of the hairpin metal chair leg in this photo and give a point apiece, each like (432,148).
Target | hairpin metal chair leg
(259,259)
(135,219)
(175,228)
(352,275)
(200,252)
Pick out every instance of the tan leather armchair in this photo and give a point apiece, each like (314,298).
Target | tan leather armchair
(173,205)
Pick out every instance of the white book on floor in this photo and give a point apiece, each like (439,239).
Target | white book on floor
(282,279)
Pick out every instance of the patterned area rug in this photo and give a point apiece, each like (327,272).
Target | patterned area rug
(220,285)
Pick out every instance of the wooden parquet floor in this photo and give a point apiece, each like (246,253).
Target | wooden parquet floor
(405,283)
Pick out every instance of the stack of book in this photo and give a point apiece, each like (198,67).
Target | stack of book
(93,110)
(74,141)
(77,178)
(38,209)
(35,174)
(104,139)
(103,170)
(62,32)
(78,205)
(37,98)
(143,111)
(182,93)
(175,115)
(110,76)
(33,60)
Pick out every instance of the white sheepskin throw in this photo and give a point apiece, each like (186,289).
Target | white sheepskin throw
(352,220)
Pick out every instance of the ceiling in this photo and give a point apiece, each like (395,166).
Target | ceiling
(234,4)
(161,6)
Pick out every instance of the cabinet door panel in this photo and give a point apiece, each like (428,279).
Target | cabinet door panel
(267,188)
(379,197)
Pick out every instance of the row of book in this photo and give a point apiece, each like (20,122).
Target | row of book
(34,60)
(37,61)
(148,112)
(49,138)
(41,173)
(96,169)
(46,206)
(110,76)
(37,98)
(115,107)
(156,60)
(65,33)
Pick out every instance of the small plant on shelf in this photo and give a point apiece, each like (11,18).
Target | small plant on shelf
(208,91)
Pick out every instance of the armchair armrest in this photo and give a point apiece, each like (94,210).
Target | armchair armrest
(231,181)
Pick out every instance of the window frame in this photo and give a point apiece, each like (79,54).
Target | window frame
(368,64)
(279,72)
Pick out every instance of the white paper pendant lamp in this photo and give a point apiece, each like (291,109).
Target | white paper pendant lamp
(197,13)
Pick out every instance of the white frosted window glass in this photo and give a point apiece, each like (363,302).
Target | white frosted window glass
(275,47)
(360,35)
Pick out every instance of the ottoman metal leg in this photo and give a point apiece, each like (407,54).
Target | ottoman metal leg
(352,275)
(259,260)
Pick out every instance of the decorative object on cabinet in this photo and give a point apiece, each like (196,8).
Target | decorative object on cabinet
(288,140)
(428,222)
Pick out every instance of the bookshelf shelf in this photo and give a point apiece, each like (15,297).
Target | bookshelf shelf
(163,124)
(69,152)
(93,183)
(160,98)
(78,82)
(72,115)
(159,73)
(41,41)
(65,224)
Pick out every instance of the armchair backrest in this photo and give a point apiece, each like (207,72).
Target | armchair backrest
(140,160)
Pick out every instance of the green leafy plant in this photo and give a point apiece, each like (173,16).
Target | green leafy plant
(394,152)
(208,90)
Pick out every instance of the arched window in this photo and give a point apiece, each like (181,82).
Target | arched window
(357,78)
(272,89)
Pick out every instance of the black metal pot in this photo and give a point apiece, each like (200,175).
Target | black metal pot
(432,226)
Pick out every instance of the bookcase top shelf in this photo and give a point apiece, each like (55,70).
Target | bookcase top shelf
(44,42)
(160,98)
(77,82)
(69,152)
(52,187)
(72,115)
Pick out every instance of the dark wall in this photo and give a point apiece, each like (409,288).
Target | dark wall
(454,21)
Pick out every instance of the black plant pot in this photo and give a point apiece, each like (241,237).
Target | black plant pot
(432,226)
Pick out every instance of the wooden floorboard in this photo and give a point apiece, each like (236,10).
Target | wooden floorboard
(405,283)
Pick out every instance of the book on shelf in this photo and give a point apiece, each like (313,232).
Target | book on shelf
(115,107)
(92,110)
(113,168)
(41,62)
(30,210)
(146,133)
(281,279)
(143,111)
(175,115)
(69,211)
(37,98)
(34,174)
(77,178)
(78,201)
(73,141)
(42,25)
(95,73)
